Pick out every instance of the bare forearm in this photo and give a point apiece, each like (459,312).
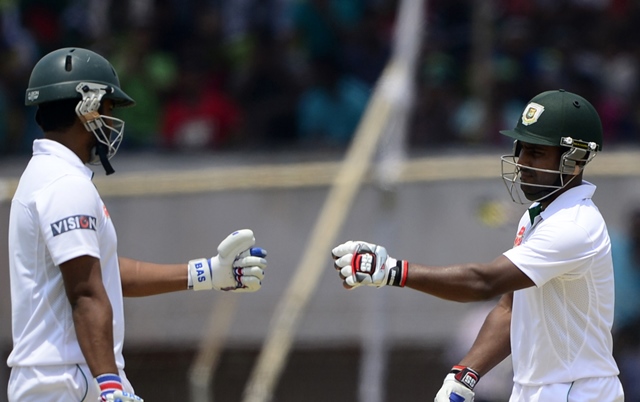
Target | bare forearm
(468,282)
(93,321)
(493,343)
(145,279)
(462,283)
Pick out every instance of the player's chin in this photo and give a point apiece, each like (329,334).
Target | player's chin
(533,193)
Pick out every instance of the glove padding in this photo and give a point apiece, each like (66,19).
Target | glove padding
(460,380)
(111,389)
(236,268)
(361,263)
(248,268)
(121,396)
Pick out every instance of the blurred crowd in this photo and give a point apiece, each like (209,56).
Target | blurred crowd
(280,74)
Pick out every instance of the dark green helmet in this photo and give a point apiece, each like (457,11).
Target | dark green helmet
(553,116)
(57,74)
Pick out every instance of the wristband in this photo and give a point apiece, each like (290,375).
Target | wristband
(466,376)
(398,274)
(109,383)
(200,274)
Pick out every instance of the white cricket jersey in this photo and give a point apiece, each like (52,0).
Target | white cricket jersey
(56,215)
(561,328)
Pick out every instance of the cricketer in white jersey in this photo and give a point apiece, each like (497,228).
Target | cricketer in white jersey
(67,281)
(56,215)
(555,312)
(561,328)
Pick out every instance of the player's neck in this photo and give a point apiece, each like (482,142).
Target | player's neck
(77,139)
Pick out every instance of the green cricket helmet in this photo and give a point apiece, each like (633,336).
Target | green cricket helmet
(554,118)
(75,73)
(57,74)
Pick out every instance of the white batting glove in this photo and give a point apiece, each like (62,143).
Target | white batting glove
(121,396)
(249,269)
(461,380)
(111,389)
(236,268)
(361,263)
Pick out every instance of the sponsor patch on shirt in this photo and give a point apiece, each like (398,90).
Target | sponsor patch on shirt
(518,240)
(72,223)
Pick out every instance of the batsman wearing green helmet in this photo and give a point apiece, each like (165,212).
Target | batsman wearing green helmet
(67,280)
(83,79)
(555,312)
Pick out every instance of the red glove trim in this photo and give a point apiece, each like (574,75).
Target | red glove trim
(404,268)
(466,376)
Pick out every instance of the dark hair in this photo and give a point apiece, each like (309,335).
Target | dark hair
(57,115)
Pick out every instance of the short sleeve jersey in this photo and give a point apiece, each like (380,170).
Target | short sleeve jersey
(56,215)
(561,327)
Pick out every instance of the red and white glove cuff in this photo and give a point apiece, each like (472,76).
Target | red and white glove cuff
(466,376)
(398,273)
(109,383)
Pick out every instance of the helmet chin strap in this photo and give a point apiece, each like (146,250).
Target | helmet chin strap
(101,151)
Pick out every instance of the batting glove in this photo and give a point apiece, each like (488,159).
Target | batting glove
(111,389)
(460,380)
(238,267)
(361,263)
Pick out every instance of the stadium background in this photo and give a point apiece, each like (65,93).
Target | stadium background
(264,168)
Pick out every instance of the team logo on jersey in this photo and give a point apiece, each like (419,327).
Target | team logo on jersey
(532,113)
(73,223)
(519,236)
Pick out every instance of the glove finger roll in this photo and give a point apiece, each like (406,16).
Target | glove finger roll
(344,248)
(249,262)
(346,272)
(343,261)
(349,280)
(250,284)
(247,272)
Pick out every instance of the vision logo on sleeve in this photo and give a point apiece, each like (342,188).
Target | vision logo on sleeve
(73,223)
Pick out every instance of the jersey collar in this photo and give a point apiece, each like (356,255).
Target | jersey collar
(49,147)
(570,197)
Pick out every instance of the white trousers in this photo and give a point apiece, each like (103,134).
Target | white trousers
(603,389)
(73,383)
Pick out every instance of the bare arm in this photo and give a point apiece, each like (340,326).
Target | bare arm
(92,313)
(468,282)
(493,343)
(141,278)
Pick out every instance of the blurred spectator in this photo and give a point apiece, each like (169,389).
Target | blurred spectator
(5,145)
(148,74)
(268,90)
(320,24)
(197,114)
(366,47)
(331,106)
(258,56)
